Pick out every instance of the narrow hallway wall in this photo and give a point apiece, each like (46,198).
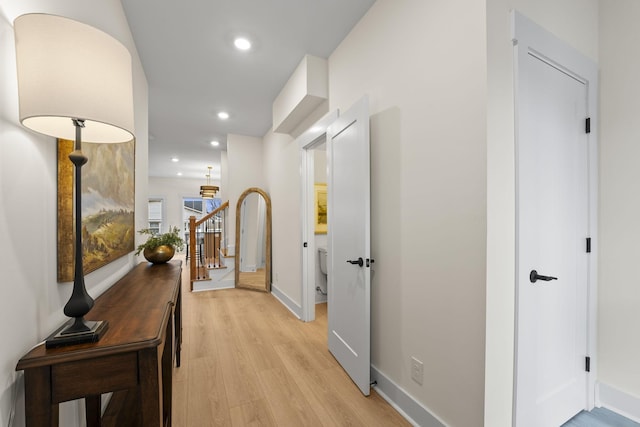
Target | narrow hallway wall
(32,301)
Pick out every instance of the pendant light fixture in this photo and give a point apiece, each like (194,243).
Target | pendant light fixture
(208,191)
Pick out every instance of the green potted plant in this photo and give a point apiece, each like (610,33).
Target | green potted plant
(160,248)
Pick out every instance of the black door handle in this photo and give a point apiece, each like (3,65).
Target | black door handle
(534,276)
(359,261)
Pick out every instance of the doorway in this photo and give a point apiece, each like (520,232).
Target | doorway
(555,227)
(311,143)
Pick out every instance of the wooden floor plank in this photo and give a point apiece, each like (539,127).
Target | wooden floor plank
(315,386)
(206,400)
(247,361)
(287,403)
(179,408)
(202,340)
(372,410)
(256,413)
(241,382)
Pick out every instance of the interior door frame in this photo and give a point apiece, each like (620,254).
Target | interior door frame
(529,38)
(306,143)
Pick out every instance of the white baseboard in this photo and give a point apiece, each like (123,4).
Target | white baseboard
(210,285)
(287,302)
(403,402)
(618,401)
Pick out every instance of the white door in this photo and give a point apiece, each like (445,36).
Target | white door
(553,210)
(348,248)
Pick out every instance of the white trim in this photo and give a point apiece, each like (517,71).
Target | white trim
(406,405)
(211,285)
(536,40)
(287,301)
(306,142)
(618,401)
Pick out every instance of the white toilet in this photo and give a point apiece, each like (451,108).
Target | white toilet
(323,260)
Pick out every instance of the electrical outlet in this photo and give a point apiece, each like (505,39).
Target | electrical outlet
(417,370)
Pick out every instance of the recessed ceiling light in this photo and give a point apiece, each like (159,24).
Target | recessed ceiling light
(242,44)
(175,159)
(215,143)
(179,174)
(223,115)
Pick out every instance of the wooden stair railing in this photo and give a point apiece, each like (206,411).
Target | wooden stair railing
(204,246)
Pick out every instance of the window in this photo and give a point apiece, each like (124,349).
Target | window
(193,204)
(155,227)
(197,207)
(155,215)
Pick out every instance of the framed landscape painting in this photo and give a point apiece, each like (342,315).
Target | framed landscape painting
(320,208)
(108,205)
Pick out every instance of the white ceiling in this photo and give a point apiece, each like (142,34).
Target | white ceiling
(194,71)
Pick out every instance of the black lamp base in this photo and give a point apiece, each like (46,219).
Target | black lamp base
(70,333)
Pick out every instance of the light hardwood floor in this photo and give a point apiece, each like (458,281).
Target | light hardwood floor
(247,361)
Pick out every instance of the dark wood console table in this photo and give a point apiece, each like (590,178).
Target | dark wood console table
(134,359)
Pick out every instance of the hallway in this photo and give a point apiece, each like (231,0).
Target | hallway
(246,360)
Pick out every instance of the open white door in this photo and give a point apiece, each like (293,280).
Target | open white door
(348,249)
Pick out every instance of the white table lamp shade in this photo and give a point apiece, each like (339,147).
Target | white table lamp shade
(70,70)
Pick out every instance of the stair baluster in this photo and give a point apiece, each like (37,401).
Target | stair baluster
(205,246)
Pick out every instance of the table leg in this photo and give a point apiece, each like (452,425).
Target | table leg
(150,370)
(93,409)
(167,372)
(178,325)
(39,409)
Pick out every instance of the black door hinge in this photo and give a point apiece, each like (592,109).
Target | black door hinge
(587,364)
(588,245)
(587,125)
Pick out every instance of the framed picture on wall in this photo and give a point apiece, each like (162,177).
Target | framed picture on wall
(321,208)
(108,204)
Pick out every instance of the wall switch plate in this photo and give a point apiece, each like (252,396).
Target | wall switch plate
(417,370)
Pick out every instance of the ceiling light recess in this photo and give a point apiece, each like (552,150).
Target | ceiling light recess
(223,115)
(215,143)
(242,43)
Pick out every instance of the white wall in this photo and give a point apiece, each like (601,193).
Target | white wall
(172,191)
(282,182)
(224,176)
(575,21)
(423,65)
(422,62)
(31,307)
(619,227)
(244,170)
